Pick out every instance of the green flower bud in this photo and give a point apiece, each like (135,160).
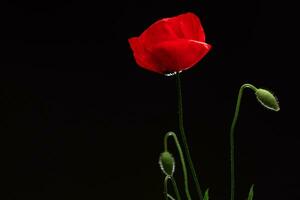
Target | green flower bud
(167,163)
(267,99)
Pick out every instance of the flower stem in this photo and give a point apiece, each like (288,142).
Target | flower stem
(174,187)
(166,187)
(186,185)
(236,113)
(183,137)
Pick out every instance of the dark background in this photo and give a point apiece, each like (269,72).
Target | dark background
(80,120)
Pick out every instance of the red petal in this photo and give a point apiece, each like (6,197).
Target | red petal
(142,56)
(187,26)
(158,32)
(171,44)
(175,56)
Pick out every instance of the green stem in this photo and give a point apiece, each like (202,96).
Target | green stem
(166,187)
(170,197)
(236,113)
(183,137)
(186,185)
(174,187)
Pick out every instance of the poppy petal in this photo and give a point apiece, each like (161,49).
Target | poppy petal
(142,56)
(178,55)
(158,32)
(187,26)
(184,26)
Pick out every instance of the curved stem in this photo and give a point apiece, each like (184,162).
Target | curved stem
(186,185)
(236,113)
(183,137)
(175,188)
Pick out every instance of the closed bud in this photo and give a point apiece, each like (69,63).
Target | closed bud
(267,99)
(167,163)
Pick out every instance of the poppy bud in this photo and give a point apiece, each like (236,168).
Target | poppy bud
(267,99)
(167,163)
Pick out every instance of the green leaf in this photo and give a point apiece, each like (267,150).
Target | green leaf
(251,193)
(206,195)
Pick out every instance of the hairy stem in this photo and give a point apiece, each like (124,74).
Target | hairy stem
(183,137)
(186,185)
(233,124)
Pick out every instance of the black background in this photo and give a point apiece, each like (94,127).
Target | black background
(80,120)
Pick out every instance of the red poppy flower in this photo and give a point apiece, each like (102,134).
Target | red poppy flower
(171,44)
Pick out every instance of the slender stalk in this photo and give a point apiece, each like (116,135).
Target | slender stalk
(233,124)
(175,188)
(183,137)
(166,194)
(186,185)
(170,197)
(166,187)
